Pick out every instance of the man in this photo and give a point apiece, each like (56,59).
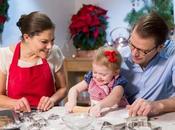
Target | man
(150,68)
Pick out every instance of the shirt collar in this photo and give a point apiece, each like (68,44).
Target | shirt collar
(138,68)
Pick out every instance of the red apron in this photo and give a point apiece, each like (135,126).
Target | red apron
(30,82)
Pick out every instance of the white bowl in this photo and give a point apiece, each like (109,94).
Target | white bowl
(78,121)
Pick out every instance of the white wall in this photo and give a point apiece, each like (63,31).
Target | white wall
(59,11)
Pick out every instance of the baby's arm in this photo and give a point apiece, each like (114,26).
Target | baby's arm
(73,94)
(112,99)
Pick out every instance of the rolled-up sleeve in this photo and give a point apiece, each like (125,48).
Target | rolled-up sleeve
(3,60)
(173,80)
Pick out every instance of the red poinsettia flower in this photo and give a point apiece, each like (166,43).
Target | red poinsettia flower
(88,27)
(3,13)
(2,19)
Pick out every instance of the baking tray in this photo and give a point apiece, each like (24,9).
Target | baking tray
(8,117)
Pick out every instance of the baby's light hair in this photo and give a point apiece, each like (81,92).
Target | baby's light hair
(103,59)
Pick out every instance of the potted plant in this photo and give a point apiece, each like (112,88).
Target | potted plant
(88,27)
(3,13)
(163,8)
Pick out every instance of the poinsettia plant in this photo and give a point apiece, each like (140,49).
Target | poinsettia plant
(88,27)
(3,13)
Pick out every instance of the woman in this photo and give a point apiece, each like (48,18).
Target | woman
(31,71)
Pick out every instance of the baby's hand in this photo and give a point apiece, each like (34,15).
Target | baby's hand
(95,110)
(69,106)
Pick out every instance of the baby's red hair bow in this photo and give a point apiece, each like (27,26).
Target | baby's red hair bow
(111,55)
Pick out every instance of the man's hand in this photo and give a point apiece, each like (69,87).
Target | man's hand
(45,103)
(22,104)
(140,107)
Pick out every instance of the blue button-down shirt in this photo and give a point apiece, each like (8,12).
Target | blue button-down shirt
(156,81)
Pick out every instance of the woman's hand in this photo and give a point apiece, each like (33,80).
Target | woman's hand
(45,103)
(22,104)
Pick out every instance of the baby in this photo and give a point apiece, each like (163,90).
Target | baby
(104,83)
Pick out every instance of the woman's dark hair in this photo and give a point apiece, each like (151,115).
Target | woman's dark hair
(34,23)
(152,25)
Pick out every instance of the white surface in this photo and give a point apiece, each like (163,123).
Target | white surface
(166,121)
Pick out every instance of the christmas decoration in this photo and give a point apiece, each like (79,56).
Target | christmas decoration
(163,7)
(3,13)
(88,27)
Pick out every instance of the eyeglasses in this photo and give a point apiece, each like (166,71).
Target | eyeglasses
(141,51)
